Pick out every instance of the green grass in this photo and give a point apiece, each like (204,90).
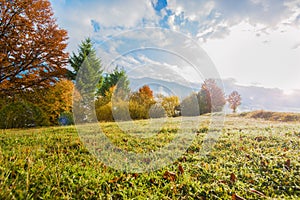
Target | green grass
(254,159)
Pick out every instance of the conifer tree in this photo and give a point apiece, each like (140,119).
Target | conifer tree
(87,71)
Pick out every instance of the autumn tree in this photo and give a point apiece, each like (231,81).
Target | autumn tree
(54,100)
(144,96)
(212,96)
(57,100)
(169,104)
(234,100)
(140,103)
(32,46)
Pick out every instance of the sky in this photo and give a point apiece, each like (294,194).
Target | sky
(255,42)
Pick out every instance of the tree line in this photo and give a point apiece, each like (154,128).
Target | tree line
(36,87)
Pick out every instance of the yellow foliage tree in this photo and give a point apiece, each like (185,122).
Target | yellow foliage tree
(169,104)
(54,100)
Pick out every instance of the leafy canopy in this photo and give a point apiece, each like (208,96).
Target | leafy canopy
(32,47)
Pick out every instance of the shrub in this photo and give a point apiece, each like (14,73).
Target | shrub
(120,111)
(22,115)
(169,104)
(272,116)
(157,111)
(104,113)
(138,111)
(189,106)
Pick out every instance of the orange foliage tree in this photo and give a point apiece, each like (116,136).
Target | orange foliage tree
(32,47)
(140,103)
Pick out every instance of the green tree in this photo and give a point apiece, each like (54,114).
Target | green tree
(234,100)
(117,78)
(190,106)
(21,115)
(85,50)
(88,72)
(204,101)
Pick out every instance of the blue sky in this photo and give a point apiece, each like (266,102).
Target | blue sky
(252,41)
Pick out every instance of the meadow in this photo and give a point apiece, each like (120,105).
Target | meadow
(252,159)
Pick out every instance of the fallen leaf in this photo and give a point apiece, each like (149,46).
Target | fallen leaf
(287,164)
(171,176)
(116,179)
(183,159)
(251,181)
(181,169)
(259,138)
(256,192)
(152,180)
(135,175)
(237,197)
(264,163)
(232,178)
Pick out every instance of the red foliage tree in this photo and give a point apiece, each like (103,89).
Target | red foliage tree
(215,94)
(234,100)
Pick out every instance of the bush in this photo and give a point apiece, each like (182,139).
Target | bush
(157,111)
(66,118)
(22,115)
(170,104)
(120,111)
(138,111)
(272,116)
(189,106)
(104,113)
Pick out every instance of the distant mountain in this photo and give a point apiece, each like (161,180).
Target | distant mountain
(253,97)
(164,87)
(257,97)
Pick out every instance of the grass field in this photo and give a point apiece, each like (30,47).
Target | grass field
(253,159)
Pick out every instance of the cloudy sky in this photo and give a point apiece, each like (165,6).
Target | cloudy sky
(256,42)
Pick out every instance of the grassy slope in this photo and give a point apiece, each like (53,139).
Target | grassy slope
(253,159)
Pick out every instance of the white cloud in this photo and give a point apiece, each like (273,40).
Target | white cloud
(296,46)
(76,16)
(244,56)
(212,19)
(251,40)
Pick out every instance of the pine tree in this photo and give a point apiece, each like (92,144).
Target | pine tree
(88,72)
(117,78)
